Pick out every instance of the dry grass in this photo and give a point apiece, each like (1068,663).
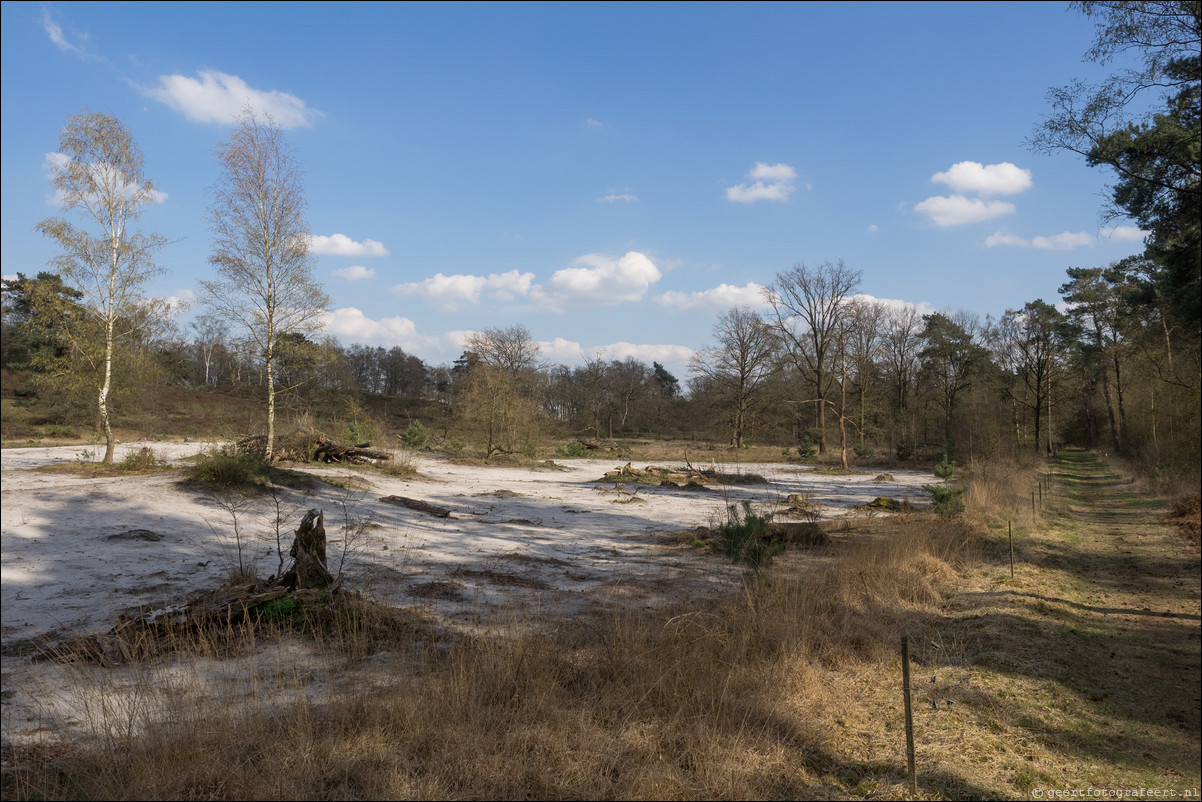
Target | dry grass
(698,702)
(789,689)
(135,463)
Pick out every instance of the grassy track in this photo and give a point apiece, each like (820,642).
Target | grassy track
(1086,665)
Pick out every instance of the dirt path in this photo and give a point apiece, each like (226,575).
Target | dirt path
(1089,659)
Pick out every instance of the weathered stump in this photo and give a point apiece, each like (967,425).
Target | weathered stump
(308,553)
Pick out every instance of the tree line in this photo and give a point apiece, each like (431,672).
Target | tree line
(835,371)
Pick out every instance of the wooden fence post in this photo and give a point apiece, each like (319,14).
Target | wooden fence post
(1010,529)
(905,649)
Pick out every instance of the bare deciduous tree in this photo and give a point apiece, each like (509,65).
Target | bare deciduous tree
(501,396)
(98,175)
(864,349)
(808,307)
(513,349)
(739,367)
(260,250)
(900,345)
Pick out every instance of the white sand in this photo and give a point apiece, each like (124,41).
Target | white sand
(516,535)
(521,543)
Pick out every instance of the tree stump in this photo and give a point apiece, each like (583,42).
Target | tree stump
(309,555)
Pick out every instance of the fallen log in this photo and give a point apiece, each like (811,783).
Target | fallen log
(329,451)
(420,506)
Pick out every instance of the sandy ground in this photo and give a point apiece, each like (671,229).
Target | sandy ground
(519,541)
(73,555)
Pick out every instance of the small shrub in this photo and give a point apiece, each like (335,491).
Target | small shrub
(280,609)
(227,467)
(144,459)
(905,450)
(193,432)
(455,447)
(945,467)
(747,537)
(947,499)
(864,452)
(358,431)
(807,450)
(573,449)
(55,430)
(415,436)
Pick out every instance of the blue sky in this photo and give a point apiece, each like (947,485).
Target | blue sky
(613,177)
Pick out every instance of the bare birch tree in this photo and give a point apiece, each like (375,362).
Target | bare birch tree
(98,175)
(260,246)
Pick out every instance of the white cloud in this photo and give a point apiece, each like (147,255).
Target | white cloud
(450,293)
(593,280)
(55,32)
(591,123)
(772,172)
(770,182)
(355,273)
(560,350)
(986,180)
(600,281)
(342,245)
(216,97)
(54,162)
(717,299)
(1064,241)
(922,307)
(1005,238)
(352,326)
(180,301)
(1124,233)
(667,354)
(872,229)
(613,196)
(674,357)
(958,210)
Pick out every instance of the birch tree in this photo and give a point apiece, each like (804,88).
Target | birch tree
(97,176)
(260,246)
